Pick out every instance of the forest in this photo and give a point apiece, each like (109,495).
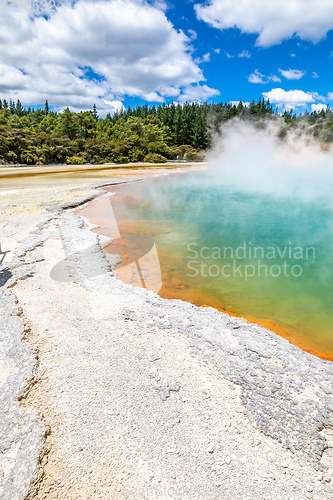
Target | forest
(146,133)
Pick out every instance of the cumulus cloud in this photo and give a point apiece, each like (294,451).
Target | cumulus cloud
(258,77)
(273,21)
(98,52)
(314,75)
(292,74)
(318,107)
(289,99)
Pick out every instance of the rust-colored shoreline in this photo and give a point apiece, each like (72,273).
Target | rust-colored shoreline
(171,290)
(168,291)
(281,330)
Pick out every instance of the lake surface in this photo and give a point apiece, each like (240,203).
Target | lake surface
(266,258)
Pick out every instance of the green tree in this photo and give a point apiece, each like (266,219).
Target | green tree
(86,125)
(94,112)
(19,108)
(67,125)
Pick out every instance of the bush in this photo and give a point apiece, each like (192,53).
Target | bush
(136,155)
(75,160)
(155,158)
(122,159)
(159,148)
(29,158)
(194,156)
(183,150)
(11,157)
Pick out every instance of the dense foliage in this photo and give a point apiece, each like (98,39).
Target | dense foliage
(146,133)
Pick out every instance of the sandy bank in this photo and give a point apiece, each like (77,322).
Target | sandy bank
(28,171)
(122,390)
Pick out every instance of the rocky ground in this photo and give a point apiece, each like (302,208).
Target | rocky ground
(109,391)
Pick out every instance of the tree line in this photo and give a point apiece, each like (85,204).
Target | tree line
(146,133)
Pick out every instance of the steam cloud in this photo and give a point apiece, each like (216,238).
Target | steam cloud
(252,157)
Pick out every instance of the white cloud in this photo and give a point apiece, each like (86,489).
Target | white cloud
(258,77)
(292,74)
(197,93)
(204,58)
(274,20)
(318,107)
(193,34)
(11,77)
(318,97)
(290,98)
(314,75)
(235,103)
(217,51)
(96,51)
(115,105)
(244,53)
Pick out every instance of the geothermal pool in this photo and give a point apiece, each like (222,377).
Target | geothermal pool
(258,255)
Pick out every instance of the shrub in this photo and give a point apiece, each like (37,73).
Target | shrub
(75,160)
(155,158)
(122,159)
(11,157)
(194,156)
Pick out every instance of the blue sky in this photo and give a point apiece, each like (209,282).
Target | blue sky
(124,52)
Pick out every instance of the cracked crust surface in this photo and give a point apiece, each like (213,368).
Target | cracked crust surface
(137,395)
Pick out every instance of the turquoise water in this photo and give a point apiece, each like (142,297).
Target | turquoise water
(258,255)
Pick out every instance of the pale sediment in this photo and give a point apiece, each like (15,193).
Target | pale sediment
(143,391)
(21,431)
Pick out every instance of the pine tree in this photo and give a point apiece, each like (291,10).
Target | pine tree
(177,125)
(46,108)
(152,111)
(252,107)
(12,106)
(199,139)
(94,112)
(19,108)
(144,111)
(240,108)
(184,135)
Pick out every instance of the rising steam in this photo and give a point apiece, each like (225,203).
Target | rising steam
(253,157)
